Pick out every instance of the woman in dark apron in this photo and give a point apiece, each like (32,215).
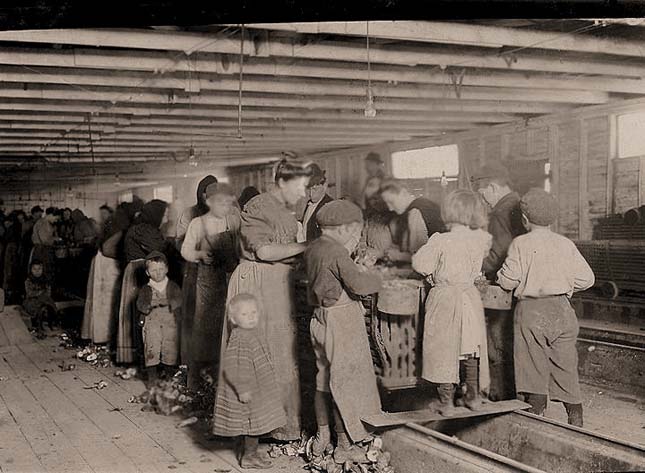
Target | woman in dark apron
(210,242)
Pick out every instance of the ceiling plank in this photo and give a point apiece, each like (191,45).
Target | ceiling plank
(465,34)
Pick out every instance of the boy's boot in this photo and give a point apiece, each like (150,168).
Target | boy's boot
(322,404)
(152,375)
(537,402)
(473,398)
(574,411)
(446,396)
(251,459)
(345,451)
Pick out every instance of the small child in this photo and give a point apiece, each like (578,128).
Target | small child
(454,332)
(545,269)
(247,401)
(345,377)
(38,302)
(159,306)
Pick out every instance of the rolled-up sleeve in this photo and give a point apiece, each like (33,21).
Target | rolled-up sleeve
(256,231)
(425,260)
(583,276)
(510,275)
(191,239)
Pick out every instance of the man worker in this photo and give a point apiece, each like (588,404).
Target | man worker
(372,201)
(493,182)
(316,198)
(419,218)
(43,239)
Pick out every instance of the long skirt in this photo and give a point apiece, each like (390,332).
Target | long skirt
(102,301)
(454,326)
(546,359)
(11,282)
(208,323)
(273,286)
(188,289)
(128,345)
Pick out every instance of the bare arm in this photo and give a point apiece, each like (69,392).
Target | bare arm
(276,252)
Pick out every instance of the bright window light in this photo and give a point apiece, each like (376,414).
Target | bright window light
(631,135)
(426,162)
(125,197)
(163,193)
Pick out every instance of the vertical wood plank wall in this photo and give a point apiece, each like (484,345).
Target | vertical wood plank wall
(588,179)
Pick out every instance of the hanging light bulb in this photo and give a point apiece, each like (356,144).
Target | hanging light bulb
(192,157)
(370,109)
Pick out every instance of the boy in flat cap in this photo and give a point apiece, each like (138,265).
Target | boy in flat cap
(345,381)
(159,305)
(545,269)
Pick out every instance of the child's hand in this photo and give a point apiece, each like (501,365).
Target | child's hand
(245,398)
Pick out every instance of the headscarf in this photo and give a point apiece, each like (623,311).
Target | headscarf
(153,212)
(78,216)
(200,208)
(247,194)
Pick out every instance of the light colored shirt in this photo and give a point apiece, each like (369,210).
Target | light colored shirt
(542,263)
(199,229)
(43,233)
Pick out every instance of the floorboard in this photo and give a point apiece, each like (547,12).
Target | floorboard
(16,454)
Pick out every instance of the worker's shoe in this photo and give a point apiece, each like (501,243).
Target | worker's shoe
(537,402)
(254,461)
(574,411)
(446,396)
(346,451)
(472,399)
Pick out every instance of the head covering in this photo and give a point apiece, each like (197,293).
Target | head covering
(153,212)
(77,215)
(36,209)
(317,175)
(494,170)
(218,188)
(156,255)
(202,186)
(339,212)
(539,206)
(247,194)
(375,157)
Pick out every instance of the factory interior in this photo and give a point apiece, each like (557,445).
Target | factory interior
(435,231)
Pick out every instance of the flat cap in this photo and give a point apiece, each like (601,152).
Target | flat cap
(372,156)
(494,170)
(339,212)
(156,255)
(539,206)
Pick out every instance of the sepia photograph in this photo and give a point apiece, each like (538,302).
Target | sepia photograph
(331,238)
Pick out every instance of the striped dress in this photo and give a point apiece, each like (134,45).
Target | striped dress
(247,367)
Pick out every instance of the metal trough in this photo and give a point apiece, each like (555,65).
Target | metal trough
(517,441)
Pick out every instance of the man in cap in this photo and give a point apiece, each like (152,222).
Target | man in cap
(505,223)
(316,198)
(345,370)
(545,269)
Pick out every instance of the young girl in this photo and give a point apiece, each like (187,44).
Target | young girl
(455,329)
(247,401)
(38,302)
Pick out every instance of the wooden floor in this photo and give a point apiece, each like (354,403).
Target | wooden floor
(49,422)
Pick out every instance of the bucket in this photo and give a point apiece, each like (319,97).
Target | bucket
(399,298)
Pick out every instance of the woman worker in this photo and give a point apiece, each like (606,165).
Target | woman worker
(268,239)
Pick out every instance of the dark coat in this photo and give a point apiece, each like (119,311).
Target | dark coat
(313,229)
(504,223)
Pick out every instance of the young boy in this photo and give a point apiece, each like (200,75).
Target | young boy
(38,302)
(545,269)
(345,369)
(159,305)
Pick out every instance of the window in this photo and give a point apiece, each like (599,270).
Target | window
(163,193)
(631,135)
(125,197)
(426,162)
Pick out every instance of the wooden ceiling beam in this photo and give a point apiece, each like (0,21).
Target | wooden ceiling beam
(322,87)
(465,34)
(127,115)
(287,101)
(347,51)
